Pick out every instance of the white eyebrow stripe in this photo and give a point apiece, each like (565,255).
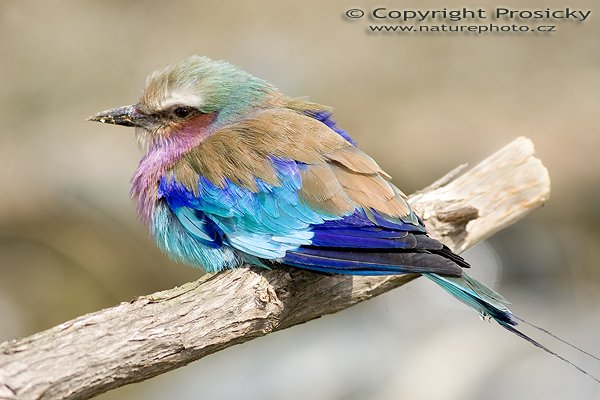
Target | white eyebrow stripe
(181,99)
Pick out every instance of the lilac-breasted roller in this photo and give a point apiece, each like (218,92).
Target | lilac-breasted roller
(236,172)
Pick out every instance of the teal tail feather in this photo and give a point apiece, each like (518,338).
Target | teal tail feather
(490,304)
(476,295)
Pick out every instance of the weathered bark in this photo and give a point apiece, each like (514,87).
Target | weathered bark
(166,330)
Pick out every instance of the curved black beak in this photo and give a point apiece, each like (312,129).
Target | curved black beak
(125,116)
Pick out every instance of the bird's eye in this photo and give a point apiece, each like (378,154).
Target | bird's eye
(183,112)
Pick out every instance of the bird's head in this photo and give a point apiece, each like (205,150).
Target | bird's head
(190,99)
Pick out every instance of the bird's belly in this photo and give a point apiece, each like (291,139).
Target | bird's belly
(181,246)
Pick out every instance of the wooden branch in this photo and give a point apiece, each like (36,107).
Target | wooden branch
(154,334)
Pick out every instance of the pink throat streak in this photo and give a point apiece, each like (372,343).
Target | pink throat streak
(160,157)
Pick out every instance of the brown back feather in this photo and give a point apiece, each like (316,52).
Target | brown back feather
(339,177)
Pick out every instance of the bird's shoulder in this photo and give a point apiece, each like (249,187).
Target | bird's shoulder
(336,176)
(241,152)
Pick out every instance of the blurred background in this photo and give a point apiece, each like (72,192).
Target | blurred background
(420,105)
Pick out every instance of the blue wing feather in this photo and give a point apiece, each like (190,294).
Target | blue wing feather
(198,225)
(264,224)
(273,223)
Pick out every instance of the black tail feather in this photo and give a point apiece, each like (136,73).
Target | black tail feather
(547,332)
(520,334)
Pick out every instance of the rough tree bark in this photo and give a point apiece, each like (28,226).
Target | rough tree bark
(153,334)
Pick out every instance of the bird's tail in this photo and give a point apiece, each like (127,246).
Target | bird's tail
(490,304)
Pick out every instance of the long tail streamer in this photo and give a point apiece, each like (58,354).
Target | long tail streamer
(490,304)
(546,349)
